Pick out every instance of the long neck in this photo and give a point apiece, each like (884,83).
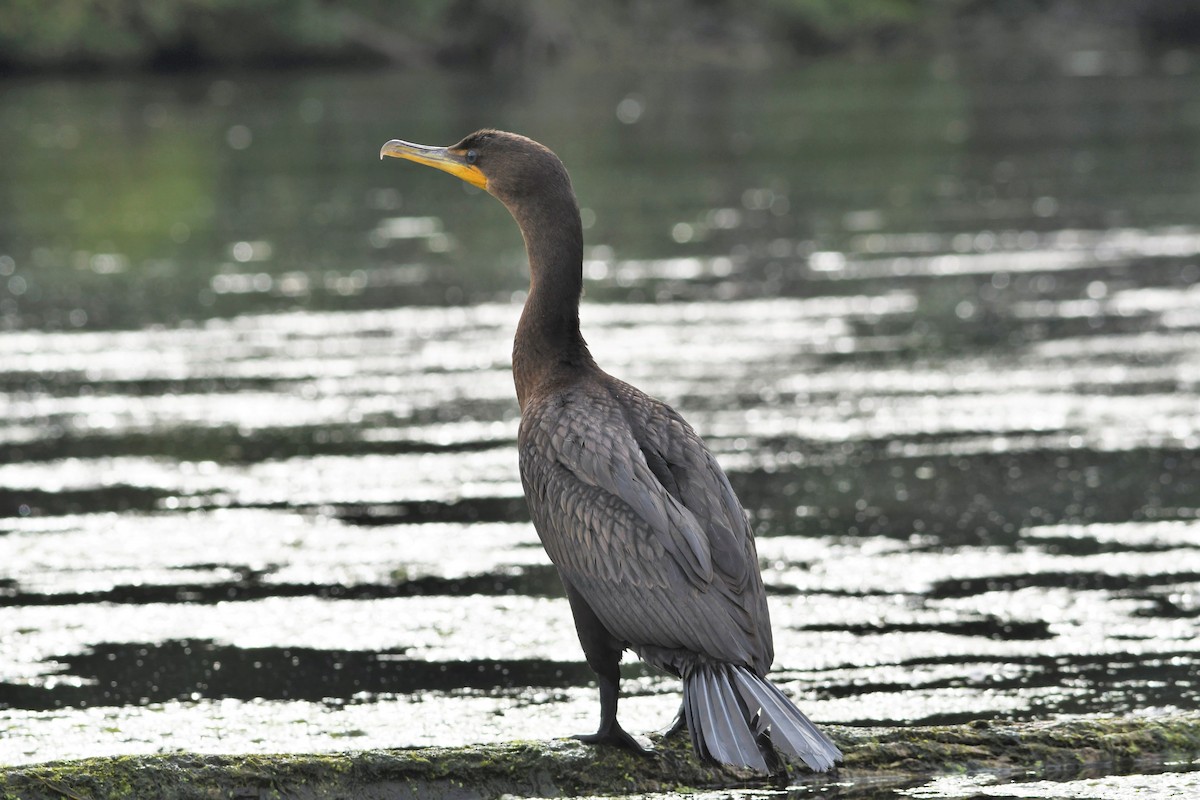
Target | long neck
(548,343)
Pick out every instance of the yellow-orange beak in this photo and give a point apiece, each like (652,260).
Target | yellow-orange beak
(437,157)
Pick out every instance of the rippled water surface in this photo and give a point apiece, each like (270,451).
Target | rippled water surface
(258,484)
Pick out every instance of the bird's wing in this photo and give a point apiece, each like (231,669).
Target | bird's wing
(638,554)
(692,475)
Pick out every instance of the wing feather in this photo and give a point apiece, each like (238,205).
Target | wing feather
(660,568)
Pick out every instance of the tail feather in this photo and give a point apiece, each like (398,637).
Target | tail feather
(717,721)
(728,710)
(790,730)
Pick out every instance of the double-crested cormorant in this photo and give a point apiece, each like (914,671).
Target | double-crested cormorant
(651,543)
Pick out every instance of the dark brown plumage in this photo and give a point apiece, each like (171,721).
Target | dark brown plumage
(650,541)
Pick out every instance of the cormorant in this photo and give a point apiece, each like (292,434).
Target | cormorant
(653,547)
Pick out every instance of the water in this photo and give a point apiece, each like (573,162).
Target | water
(257,467)
(1159,785)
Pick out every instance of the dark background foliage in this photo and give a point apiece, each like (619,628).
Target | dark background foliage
(186,34)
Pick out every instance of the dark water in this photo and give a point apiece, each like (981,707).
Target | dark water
(257,468)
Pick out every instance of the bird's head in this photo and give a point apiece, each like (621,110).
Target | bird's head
(511,167)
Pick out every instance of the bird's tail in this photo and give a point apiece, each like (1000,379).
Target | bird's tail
(730,710)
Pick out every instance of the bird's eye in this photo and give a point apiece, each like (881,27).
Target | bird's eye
(472,156)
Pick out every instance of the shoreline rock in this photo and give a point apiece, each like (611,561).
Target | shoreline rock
(876,758)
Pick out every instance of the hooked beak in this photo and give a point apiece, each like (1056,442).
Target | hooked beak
(441,158)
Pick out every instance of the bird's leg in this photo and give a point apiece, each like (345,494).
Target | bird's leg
(776,766)
(610,731)
(678,725)
(603,654)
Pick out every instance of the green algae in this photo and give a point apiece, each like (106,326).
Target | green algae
(874,757)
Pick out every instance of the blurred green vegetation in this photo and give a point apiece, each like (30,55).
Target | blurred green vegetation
(185,34)
(39,33)
(188,34)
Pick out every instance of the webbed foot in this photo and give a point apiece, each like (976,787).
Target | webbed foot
(615,735)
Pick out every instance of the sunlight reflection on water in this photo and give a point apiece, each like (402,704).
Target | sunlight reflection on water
(258,482)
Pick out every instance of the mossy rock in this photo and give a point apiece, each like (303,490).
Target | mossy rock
(874,757)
